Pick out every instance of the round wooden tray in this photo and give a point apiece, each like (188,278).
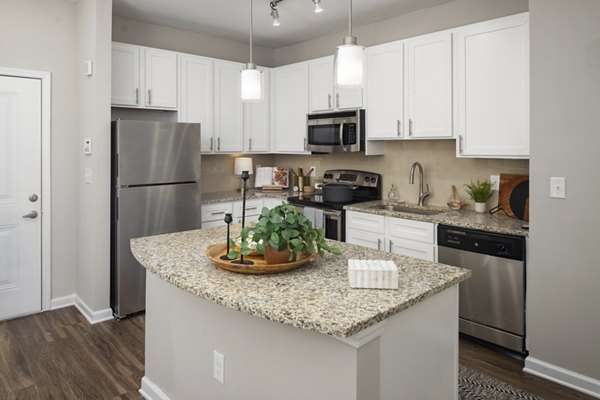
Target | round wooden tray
(259,267)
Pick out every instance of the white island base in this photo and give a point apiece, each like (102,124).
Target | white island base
(411,355)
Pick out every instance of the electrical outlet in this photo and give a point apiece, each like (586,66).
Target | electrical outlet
(218,366)
(314,170)
(557,188)
(495,179)
(87,176)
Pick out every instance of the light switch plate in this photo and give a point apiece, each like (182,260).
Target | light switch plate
(557,187)
(87,146)
(218,366)
(87,176)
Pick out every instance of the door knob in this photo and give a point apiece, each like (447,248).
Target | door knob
(32,215)
(33,198)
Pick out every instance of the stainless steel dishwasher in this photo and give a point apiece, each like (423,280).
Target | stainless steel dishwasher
(492,301)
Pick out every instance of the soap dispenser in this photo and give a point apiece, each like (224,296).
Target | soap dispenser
(393,194)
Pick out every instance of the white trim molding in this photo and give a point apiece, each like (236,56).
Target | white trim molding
(92,316)
(62,302)
(45,78)
(365,336)
(150,391)
(562,376)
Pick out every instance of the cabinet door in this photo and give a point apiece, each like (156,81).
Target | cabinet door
(161,78)
(365,222)
(493,88)
(215,212)
(125,81)
(385,94)
(422,251)
(289,108)
(256,119)
(348,98)
(320,78)
(366,239)
(228,117)
(428,67)
(417,231)
(196,95)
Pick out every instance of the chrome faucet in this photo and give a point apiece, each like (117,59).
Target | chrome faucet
(411,180)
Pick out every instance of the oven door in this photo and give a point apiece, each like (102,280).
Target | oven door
(333,135)
(333,223)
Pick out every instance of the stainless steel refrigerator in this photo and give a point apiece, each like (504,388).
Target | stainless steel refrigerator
(155,189)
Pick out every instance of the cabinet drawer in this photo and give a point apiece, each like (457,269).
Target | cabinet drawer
(253,207)
(423,251)
(215,212)
(365,222)
(212,224)
(412,230)
(366,239)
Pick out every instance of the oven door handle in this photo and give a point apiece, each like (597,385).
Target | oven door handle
(342,134)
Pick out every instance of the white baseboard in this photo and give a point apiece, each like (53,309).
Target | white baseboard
(562,376)
(61,302)
(150,391)
(93,317)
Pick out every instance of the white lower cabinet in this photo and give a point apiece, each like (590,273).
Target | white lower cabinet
(214,214)
(396,235)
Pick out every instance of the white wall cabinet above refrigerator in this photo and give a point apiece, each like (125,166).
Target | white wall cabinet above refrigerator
(323,94)
(143,77)
(493,88)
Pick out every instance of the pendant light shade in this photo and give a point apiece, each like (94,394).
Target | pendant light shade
(349,59)
(251,82)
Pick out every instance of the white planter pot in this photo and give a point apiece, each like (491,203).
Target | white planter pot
(480,207)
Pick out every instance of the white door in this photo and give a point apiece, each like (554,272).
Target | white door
(229,109)
(20,183)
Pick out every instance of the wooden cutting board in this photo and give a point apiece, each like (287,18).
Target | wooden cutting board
(513,196)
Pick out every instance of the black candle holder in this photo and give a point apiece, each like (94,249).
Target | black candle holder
(228,219)
(245,176)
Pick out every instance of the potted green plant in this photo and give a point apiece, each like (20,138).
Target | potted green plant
(480,192)
(283,234)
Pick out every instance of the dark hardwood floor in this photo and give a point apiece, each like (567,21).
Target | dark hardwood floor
(58,355)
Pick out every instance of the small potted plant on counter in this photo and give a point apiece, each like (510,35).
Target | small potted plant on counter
(480,192)
(283,234)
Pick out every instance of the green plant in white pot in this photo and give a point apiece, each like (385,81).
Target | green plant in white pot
(480,192)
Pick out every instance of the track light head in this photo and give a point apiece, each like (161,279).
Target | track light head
(275,13)
(318,7)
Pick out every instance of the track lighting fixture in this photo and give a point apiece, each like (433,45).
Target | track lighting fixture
(318,7)
(275,13)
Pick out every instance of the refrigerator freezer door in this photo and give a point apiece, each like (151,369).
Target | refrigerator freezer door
(146,211)
(156,152)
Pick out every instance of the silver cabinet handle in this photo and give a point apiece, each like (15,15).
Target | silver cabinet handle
(149,96)
(305,144)
(211,144)
(31,214)
(391,246)
(399,128)
(410,127)
(337,100)
(249,144)
(328,101)
(460,144)
(218,213)
(137,95)
(219,143)
(251,208)
(378,244)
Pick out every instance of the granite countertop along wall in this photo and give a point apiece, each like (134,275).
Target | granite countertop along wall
(314,297)
(235,195)
(497,223)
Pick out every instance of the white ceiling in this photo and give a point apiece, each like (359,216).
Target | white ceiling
(231,18)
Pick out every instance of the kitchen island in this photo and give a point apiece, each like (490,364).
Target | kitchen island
(302,334)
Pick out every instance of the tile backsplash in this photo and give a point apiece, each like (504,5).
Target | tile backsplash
(438,157)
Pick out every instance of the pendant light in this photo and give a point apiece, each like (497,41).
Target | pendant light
(251,89)
(349,58)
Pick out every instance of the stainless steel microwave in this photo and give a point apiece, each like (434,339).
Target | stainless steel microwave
(336,132)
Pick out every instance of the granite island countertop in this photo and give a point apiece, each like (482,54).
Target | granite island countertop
(315,297)
(497,223)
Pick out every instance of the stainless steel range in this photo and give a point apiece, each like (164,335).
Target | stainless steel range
(364,186)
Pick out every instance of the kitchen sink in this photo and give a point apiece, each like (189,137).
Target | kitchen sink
(404,209)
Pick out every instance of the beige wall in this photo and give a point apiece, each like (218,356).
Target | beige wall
(449,15)
(563,319)
(41,35)
(217,171)
(162,37)
(442,168)
(94,38)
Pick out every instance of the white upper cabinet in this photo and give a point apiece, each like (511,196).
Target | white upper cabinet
(428,80)
(143,77)
(161,78)
(385,91)
(196,95)
(289,107)
(323,94)
(125,81)
(228,112)
(256,119)
(493,88)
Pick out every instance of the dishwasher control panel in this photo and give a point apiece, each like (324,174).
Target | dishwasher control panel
(494,244)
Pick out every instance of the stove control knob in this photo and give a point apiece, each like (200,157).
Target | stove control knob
(367,179)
